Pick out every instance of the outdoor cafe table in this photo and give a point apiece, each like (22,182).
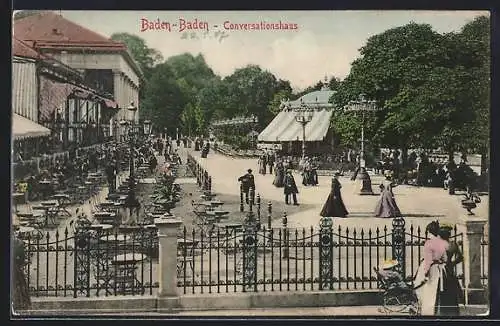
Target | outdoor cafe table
(31,218)
(126,275)
(212,203)
(208,196)
(50,211)
(105,217)
(16,197)
(217,214)
(230,228)
(25,232)
(63,201)
(115,238)
(100,227)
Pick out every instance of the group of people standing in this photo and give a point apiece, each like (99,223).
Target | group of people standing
(203,146)
(386,206)
(436,284)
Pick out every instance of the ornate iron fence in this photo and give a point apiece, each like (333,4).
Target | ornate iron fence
(244,259)
(92,262)
(484,260)
(237,258)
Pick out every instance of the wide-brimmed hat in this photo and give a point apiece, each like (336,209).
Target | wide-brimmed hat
(390,263)
(446,226)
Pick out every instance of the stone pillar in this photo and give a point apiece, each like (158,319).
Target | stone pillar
(167,262)
(473,260)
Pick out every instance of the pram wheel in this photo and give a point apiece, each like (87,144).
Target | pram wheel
(393,304)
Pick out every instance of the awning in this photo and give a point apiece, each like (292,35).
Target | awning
(285,128)
(25,128)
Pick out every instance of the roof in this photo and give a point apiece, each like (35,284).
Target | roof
(50,27)
(284,127)
(25,128)
(319,98)
(21,49)
(49,30)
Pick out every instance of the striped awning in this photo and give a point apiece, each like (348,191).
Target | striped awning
(284,127)
(25,128)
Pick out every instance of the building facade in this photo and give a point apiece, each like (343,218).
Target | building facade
(104,65)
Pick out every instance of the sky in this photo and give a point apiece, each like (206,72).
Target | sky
(324,43)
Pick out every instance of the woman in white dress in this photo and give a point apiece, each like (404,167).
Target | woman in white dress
(429,280)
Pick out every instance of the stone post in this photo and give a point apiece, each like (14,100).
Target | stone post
(167,262)
(473,260)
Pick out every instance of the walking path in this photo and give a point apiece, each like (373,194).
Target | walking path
(419,205)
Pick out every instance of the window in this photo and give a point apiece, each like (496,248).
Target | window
(72,113)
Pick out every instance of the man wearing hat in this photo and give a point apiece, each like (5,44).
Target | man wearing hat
(290,188)
(247,182)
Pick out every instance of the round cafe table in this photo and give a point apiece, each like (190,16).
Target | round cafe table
(113,238)
(101,227)
(17,197)
(25,231)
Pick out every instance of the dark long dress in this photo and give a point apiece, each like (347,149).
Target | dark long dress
(386,206)
(279,173)
(20,292)
(448,300)
(334,206)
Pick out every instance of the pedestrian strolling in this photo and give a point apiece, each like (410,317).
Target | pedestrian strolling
(386,206)
(290,188)
(262,164)
(279,175)
(247,182)
(111,176)
(334,205)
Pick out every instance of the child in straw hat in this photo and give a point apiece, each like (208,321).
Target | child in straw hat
(391,277)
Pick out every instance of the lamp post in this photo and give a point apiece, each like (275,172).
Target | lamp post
(363,105)
(131,202)
(304,116)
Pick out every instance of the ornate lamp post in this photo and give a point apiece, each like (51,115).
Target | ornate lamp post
(304,116)
(147,128)
(131,202)
(363,105)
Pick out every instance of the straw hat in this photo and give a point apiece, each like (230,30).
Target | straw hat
(446,225)
(390,263)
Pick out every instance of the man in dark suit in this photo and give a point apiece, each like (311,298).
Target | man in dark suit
(247,182)
(290,188)
(111,176)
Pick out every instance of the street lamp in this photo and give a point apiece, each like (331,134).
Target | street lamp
(131,202)
(147,127)
(363,105)
(304,116)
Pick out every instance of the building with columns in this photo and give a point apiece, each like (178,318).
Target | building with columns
(106,65)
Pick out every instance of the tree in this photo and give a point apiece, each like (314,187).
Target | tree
(193,76)
(145,56)
(250,91)
(417,77)
(164,100)
(476,37)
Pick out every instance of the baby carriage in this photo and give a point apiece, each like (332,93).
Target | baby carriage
(398,296)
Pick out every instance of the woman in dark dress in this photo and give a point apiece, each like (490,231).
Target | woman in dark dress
(20,292)
(449,299)
(386,206)
(334,206)
(279,173)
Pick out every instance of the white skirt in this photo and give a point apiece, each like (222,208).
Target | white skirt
(427,292)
